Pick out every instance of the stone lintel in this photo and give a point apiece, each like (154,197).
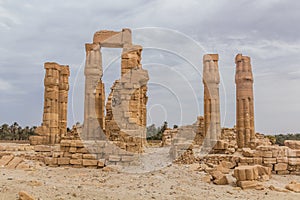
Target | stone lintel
(113,39)
(103,35)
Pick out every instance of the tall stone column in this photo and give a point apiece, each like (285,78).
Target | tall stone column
(93,74)
(54,124)
(50,116)
(244,101)
(63,100)
(211,80)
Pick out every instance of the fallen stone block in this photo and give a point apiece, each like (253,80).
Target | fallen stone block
(293,186)
(247,184)
(219,178)
(14,163)
(5,160)
(25,196)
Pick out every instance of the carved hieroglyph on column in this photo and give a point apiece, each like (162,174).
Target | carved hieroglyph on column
(54,124)
(211,80)
(244,101)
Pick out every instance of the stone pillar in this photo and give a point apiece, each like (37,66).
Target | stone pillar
(211,80)
(50,116)
(54,123)
(63,101)
(244,101)
(93,74)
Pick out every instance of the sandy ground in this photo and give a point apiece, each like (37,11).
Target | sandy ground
(172,182)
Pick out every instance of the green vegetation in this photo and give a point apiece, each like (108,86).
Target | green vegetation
(155,133)
(282,137)
(15,132)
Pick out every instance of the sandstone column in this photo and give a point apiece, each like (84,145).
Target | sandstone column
(211,80)
(244,101)
(93,75)
(63,100)
(54,123)
(50,117)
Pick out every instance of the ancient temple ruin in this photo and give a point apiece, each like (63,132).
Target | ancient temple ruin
(54,124)
(114,130)
(211,80)
(244,102)
(125,118)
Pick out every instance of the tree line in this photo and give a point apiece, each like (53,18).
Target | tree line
(15,132)
(280,138)
(156,133)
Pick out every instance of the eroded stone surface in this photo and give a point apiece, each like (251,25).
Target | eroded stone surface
(244,101)
(54,124)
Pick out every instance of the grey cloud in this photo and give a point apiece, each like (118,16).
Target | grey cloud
(33,32)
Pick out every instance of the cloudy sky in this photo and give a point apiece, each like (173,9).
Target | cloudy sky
(175,35)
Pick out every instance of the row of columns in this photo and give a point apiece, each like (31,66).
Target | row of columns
(244,101)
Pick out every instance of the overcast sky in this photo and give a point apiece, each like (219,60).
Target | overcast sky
(175,35)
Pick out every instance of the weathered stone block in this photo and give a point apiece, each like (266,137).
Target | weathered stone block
(50,161)
(293,144)
(247,152)
(67,154)
(294,161)
(270,160)
(267,154)
(73,150)
(63,161)
(282,160)
(14,163)
(247,184)
(114,158)
(285,172)
(127,158)
(257,160)
(82,150)
(65,143)
(219,178)
(89,156)
(42,148)
(101,163)
(88,162)
(76,161)
(5,160)
(293,186)
(280,167)
(76,156)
